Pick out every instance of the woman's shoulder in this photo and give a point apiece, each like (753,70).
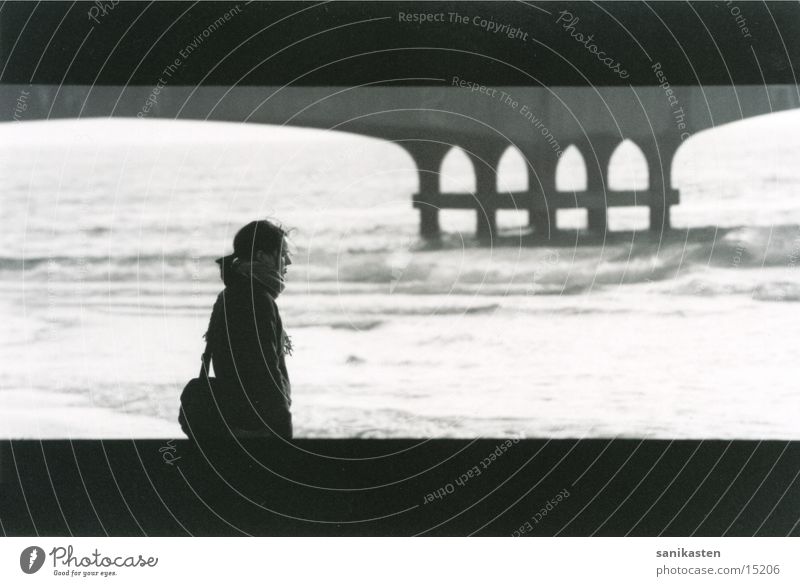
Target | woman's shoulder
(248,299)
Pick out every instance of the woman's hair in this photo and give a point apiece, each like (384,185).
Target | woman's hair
(258,235)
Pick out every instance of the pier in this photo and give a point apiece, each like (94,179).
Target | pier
(543,201)
(486,78)
(427,122)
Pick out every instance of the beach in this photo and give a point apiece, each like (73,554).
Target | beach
(108,276)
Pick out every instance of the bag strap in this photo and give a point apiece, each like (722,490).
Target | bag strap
(205,365)
(205,357)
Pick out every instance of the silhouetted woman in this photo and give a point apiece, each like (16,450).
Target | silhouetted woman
(245,335)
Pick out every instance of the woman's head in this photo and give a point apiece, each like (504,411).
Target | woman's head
(263,241)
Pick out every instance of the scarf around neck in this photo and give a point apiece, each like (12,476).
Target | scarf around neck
(270,278)
(263,273)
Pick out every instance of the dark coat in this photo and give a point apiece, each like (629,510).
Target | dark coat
(247,344)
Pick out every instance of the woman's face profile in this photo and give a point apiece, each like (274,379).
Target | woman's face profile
(279,261)
(284,257)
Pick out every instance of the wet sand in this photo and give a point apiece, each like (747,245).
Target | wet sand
(46,415)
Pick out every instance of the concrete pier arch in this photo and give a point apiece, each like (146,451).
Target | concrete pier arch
(513,171)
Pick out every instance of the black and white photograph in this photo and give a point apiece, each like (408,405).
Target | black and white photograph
(397,268)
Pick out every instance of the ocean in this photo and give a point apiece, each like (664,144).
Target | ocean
(107,278)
